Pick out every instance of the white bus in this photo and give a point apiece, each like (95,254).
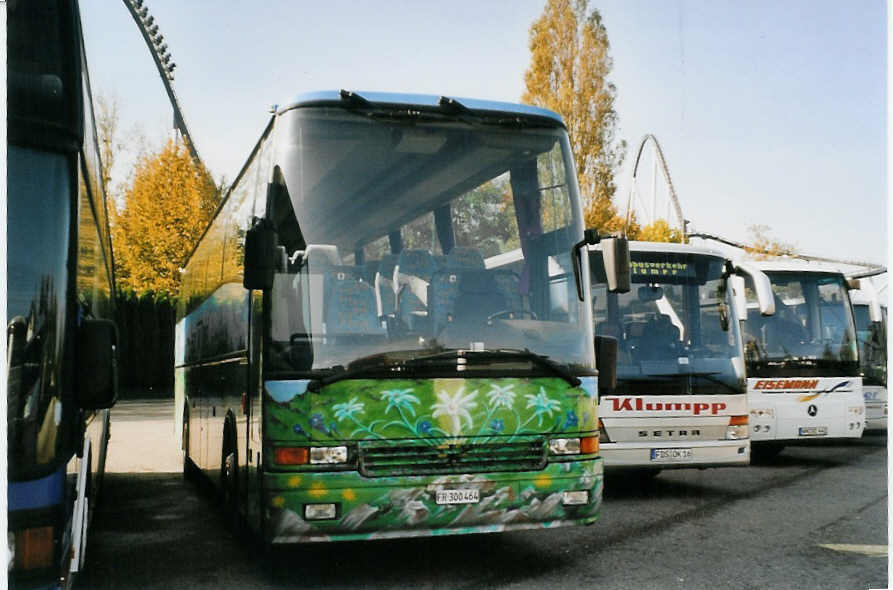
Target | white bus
(681,397)
(871,332)
(803,377)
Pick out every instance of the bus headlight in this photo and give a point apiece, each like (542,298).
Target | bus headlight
(587,445)
(328,455)
(762,413)
(856,410)
(564,446)
(737,428)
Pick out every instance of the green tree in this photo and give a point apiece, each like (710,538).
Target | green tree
(568,73)
(166,207)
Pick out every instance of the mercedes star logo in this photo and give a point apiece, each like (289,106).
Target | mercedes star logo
(812,410)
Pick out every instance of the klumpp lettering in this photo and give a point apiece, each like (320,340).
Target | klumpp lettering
(632,404)
(787,384)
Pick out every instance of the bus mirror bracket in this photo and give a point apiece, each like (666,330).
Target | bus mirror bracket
(260,255)
(762,286)
(97,365)
(590,238)
(606,363)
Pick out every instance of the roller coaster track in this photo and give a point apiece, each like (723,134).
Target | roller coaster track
(162,58)
(674,199)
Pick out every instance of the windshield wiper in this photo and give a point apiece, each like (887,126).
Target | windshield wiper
(543,361)
(380,362)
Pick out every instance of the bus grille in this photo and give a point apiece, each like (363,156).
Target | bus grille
(446,457)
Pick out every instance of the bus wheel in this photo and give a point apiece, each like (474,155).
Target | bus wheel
(229,474)
(188,465)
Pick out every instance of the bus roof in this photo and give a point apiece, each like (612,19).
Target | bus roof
(796,265)
(428,101)
(670,247)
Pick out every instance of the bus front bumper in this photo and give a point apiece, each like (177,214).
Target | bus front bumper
(676,454)
(349,506)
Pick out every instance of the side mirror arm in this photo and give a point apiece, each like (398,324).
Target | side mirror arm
(590,238)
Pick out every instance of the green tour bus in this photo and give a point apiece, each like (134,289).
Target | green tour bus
(385,331)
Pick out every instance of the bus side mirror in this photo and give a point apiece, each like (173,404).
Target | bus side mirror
(761,285)
(97,364)
(606,363)
(615,252)
(739,296)
(260,255)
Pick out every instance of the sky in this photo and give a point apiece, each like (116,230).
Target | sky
(770,113)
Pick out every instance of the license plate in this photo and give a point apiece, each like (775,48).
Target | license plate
(457,496)
(671,454)
(813,431)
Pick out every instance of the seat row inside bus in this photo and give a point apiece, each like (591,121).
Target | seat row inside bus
(413,292)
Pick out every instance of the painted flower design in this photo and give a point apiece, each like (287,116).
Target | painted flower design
(542,405)
(497,425)
(401,399)
(318,422)
(570,419)
(501,395)
(298,429)
(348,409)
(424,427)
(456,406)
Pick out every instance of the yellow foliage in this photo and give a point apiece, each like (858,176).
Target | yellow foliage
(166,208)
(660,231)
(764,247)
(569,66)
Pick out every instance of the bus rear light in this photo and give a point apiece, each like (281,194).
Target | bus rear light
(738,420)
(290,455)
(589,445)
(33,548)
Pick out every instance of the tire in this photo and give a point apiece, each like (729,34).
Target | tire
(229,480)
(188,465)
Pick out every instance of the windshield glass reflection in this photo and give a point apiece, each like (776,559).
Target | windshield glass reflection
(418,236)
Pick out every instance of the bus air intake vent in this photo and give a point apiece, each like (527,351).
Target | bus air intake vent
(448,456)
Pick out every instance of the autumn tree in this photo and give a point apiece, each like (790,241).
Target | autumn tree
(568,73)
(659,231)
(764,246)
(166,207)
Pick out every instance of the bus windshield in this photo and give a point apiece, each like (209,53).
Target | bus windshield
(409,233)
(812,325)
(675,328)
(872,339)
(39,202)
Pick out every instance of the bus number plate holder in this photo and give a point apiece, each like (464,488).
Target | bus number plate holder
(813,431)
(670,455)
(457,496)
